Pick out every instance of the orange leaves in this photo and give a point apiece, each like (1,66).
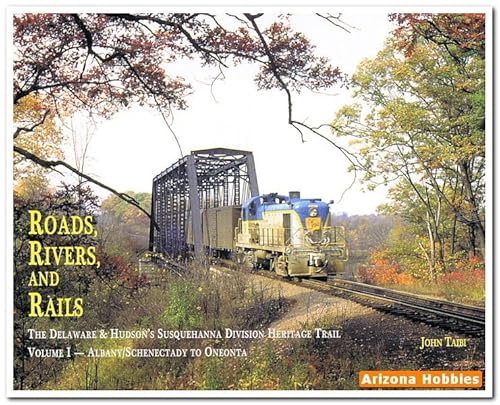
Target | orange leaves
(465,32)
(465,278)
(470,264)
(466,286)
(384,272)
(465,283)
(404,279)
(468,278)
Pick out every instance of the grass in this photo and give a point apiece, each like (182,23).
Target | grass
(471,293)
(201,300)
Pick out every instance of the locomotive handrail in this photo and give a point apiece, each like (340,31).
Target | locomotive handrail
(274,236)
(300,241)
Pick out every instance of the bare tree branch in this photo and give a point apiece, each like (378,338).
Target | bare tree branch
(51,164)
(294,123)
(18,130)
(336,21)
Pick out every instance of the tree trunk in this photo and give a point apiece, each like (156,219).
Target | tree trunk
(438,238)
(429,261)
(432,246)
(453,235)
(475,224)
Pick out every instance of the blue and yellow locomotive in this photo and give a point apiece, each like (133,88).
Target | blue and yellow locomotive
(289,235)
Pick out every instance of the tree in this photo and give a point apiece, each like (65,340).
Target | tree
(419,126)
(124,231)
(81,130)
(36,131)
(104,286)
(106,62)
(461,35)
(424,216)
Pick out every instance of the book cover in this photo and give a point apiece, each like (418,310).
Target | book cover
(286,202)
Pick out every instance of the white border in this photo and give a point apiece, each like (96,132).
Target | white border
(451,393)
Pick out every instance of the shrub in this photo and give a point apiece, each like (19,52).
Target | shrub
(469,264)
(383,272)
(213,374)
(182,310)
(462,285)
(404,279)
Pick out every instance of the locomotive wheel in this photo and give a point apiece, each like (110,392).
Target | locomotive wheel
(240,257)
(250,260)
(281,267)
(245,259)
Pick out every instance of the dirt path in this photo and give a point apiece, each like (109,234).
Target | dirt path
(379,337)
(308,306)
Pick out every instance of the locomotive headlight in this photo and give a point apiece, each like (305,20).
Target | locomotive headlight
(313,212)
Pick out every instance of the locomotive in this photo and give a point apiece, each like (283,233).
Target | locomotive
(289,235)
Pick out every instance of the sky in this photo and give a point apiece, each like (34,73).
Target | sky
(127,151)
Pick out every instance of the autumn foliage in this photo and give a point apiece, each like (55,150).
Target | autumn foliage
(461,34)
(387,271)
(383,271)
(470,264)
(118,269)
(463,282)
(106,62)
(467,280)
(464,278)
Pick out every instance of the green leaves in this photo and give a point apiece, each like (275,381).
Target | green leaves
(418,123)
(419,111)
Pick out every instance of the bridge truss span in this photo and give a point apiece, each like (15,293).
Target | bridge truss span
(206,178)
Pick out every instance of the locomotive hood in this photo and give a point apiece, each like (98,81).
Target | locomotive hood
(305,207)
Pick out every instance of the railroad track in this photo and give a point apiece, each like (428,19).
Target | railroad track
(464,318)
(450,315)
(155,268)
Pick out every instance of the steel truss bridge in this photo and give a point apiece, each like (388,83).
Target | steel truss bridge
(203,179)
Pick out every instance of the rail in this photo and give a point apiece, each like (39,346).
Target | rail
(451,315)
(443,313)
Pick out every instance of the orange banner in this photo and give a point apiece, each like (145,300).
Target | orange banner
(420,379)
